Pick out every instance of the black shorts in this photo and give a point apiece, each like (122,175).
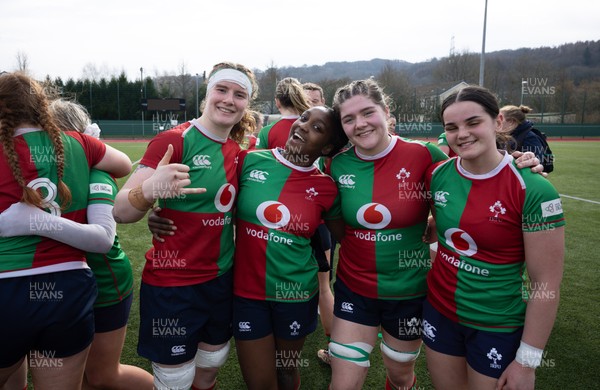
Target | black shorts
(51,314)
(173,320)
(254,319)
(400,318)
(488,353)
(113,317)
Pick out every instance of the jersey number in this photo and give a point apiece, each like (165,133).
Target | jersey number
(49,201)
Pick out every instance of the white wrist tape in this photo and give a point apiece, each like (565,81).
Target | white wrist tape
(529,356)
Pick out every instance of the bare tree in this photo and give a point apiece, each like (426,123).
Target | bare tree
(267,84)
(91,72)
(184,82)
(396,84)
(22,62)
(458,67)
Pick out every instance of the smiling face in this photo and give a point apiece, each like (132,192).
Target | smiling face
(310,136)
(225,105)
(365,124)
(471,132)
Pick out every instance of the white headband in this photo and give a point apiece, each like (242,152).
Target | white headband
(232,75)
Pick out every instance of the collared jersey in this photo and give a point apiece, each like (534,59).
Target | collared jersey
(202,248)
(477,278)
(280,206)
(112,270)
(27,254)
(384,205)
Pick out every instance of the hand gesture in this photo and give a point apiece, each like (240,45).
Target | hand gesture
(169,180)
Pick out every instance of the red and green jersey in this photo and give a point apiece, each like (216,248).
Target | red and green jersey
(276,134)
(477,276)
(280,206)
(442,141)
(384,204)
(202,248)
(114,276)
(25,255)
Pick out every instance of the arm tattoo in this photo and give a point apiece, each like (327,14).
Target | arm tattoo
(140,167)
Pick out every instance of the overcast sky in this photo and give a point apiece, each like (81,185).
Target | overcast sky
(61,37)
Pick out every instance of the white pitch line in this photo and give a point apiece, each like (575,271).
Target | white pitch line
(136,162)
(576,198)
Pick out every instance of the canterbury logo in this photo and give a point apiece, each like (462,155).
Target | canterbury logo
(429,330)
(244,325)
(346,180)
(201,160)
(348,307)
(259,175)
(440,196)
(178,349)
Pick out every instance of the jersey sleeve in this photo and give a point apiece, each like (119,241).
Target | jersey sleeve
(542,209)
(436,154)
(262,141)
(335,211)
(240,165)
(103,188)
(158,147)
(442,141)
(94,148)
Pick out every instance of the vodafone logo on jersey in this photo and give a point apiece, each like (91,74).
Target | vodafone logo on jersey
(374,216)
(460,241)
(225,198)
(273,215)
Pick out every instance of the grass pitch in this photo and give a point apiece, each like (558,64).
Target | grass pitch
(571,356)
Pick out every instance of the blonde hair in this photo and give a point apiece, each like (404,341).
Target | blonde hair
(258,120)
(22,100)
(314,87)
(518,114)
(69,115)
(291,94)
(367,88)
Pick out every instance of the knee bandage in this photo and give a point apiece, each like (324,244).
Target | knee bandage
(212,359)
(174,378)
(357,353)
(397,356)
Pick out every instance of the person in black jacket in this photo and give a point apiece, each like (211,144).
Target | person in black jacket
(515,122)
